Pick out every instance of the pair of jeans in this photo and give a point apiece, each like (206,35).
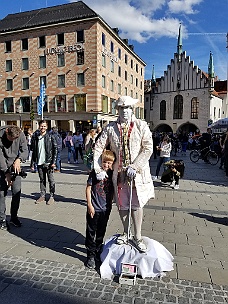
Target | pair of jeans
(44,173)
(71,150)
(161,160)
(16,195)
(78,149)
(95,232)
(58,161)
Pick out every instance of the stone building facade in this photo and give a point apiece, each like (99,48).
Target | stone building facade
(184,99)
(82,61)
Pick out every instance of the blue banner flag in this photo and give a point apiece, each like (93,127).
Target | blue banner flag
(41,99)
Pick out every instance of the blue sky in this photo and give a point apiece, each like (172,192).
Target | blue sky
(152,27)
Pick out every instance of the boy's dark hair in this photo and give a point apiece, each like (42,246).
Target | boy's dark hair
(42,121)
(108,155)
(13,131)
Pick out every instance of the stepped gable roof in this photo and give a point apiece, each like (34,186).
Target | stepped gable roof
(45,16)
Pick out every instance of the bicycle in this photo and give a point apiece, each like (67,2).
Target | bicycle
(210,156)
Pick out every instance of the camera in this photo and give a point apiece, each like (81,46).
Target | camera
(22,173)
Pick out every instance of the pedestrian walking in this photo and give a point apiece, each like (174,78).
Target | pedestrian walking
(44,153)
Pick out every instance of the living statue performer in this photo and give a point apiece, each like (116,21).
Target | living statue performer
(131,141)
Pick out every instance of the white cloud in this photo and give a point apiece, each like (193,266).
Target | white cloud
(183,6)
(137,19)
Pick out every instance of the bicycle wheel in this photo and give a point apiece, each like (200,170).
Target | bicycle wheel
(194,156)
(212,157)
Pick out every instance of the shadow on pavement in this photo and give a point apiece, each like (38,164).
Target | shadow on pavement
(214,219)
(55,237)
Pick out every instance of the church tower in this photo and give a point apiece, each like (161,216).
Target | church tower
(211,73)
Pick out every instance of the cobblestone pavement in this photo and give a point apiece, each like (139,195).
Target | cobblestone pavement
(43,260)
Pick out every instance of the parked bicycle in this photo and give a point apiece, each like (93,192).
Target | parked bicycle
(210,156)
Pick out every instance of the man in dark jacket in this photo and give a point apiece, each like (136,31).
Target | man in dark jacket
(44,153)
(13,151)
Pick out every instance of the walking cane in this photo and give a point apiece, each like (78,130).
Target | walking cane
(129,218)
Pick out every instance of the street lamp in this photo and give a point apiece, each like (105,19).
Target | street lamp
(19,110)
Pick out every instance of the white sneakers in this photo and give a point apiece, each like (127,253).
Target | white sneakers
(176,187)
(154,177)
(139,244)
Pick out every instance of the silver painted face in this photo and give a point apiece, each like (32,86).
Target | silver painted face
(125,113)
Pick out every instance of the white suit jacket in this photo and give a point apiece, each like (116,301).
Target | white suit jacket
(140,148)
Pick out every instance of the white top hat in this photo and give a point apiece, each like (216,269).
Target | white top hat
(126,101)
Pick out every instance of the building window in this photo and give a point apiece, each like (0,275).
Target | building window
(125,91)
(103,39)
(141,71)
(80,36)
(8,46)
(137,67)
(44,80)
(126,58)
(119,71)
(25,102)
(80,79)
(136,82)
(112,85)
(8,65)
(119,88)
(25,64)
(132,93)
(61,81)
(60,39)
(8,105)
(112,66)
(194,108)
(60,103)
(42,41)
(9,84)
(141,85)
(119,53)
(163,110)
(113,106)
(104,100)
(178,107)
(112,47)
(131,63)
(125,75)
(80,102)
(61,60)
(137,112)
(25,83)
(80,57)
(103,81)
(24,44)
(103,59)
(132,79)
(42,62)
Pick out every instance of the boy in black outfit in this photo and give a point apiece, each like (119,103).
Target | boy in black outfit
(99,196)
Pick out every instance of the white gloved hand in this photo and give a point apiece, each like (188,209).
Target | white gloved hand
(131,173)
(101,175)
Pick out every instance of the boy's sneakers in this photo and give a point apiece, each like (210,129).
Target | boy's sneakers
(4,225)
(155,177)
(176,187)
(15,221)
(90,263)
(139,244)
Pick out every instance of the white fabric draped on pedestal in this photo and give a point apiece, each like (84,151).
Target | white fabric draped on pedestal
(153,263)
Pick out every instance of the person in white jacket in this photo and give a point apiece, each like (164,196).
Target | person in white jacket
(164,148)
(131,141)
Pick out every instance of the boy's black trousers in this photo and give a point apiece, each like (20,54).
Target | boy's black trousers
(95,232)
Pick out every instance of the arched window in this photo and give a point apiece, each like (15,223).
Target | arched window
(194,108)
(163,110)
(178,107)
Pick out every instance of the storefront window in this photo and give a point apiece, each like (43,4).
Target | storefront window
(80,102)
(60,103)
(8,105)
